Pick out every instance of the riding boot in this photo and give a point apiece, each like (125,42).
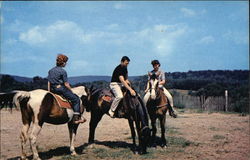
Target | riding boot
(77,118)
(171,112)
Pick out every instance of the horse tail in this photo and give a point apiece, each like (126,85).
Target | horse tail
(20,99)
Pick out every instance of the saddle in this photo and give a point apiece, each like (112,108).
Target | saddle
(62,102)
(105,99)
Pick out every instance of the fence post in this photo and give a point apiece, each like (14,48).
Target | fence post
(226,98)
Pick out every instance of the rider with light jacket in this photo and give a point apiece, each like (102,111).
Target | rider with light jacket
(161,77)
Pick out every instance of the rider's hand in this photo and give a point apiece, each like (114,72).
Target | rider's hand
(132,92)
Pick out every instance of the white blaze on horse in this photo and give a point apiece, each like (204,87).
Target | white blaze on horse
(39,106)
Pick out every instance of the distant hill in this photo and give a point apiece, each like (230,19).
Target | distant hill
(72,80)
(18,78)
(81,79)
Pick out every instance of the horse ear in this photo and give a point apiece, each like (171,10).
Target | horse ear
(91,88)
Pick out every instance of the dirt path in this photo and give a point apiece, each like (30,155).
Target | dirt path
(200,136)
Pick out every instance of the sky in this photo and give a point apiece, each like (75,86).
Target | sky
(183,36)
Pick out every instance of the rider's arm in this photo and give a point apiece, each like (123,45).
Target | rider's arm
(48,86)
(127,86)
(162,82)
(67,85)
(127,81)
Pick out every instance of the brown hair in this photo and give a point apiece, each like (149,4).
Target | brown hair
(61,59)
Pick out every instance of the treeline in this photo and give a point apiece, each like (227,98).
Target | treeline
(199,83)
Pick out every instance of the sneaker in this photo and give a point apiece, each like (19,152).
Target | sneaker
(111,113)
(78,119)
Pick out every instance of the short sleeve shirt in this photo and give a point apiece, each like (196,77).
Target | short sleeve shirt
(119,71)
(161,73)
(57,75)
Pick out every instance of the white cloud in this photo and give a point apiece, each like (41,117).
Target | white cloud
(188,12)
(237,37)
(1,19)
(60,31)
(76,65)
(162,39)
(33,36)
(113,26)
(206,40)
(119,6)
(192,13)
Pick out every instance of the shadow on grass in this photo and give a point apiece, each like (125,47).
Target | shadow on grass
(59,151)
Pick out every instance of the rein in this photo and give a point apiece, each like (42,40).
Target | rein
(161,105)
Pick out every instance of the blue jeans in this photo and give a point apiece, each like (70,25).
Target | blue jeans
(68,94)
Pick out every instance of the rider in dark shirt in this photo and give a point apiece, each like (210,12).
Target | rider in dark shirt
(58,84)
(119,79)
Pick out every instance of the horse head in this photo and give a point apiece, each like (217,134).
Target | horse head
(153,86)
(82,92)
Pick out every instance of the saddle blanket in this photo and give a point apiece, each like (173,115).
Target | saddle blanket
(62,101)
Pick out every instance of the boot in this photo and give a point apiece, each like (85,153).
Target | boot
(78,119)
(171,112)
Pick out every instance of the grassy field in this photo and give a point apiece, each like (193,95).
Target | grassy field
(193,135)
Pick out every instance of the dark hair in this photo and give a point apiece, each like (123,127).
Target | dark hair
(60,59)
(155,62)
(124,58)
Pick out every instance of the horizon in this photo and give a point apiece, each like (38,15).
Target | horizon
(129,76)
(183,36)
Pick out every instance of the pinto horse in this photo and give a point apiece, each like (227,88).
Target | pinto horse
(39,106)
(131,108)
(157,106)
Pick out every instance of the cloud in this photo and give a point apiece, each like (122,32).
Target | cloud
(60,31)
(237,37)
(162,39)
(119,6)
(33,36)
(113,26)
(77,65)
(1,19)
(192,13)
(188,12)
(206,40)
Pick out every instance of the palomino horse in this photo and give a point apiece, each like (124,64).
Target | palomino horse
(157,106)
(39,106)
(130,107)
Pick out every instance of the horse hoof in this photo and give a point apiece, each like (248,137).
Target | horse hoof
(91,146)
(142,152)
(164,146)
(73,153)
(136,152)
(24,158)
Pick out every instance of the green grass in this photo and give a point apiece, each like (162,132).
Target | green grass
(179,141)
(172,130)
(214,129)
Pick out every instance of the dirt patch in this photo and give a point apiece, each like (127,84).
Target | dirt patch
(203,136)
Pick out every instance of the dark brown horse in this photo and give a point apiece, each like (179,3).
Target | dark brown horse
(157,106)
(130,107)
